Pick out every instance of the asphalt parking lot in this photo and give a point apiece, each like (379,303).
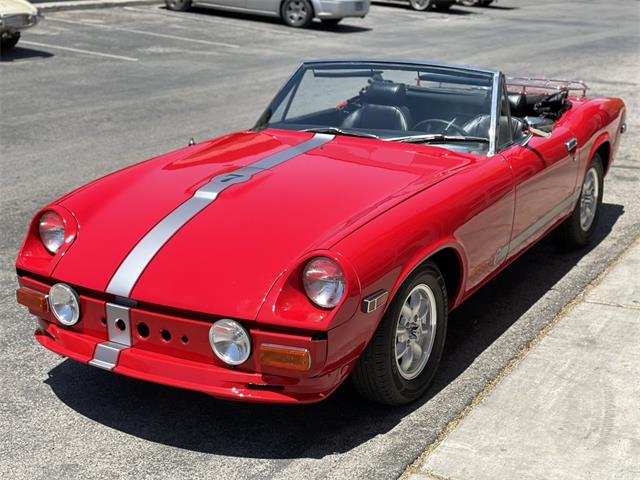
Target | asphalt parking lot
(87,92)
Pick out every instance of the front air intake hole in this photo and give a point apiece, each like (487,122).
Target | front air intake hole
(143,330)
(166,335)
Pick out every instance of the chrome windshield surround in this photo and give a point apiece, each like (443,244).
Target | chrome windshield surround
(496,76)
(495,113)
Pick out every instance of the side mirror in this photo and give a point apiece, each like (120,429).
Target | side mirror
(538,126)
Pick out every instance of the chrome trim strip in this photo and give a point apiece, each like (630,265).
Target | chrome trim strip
(134,264)
(106,355)
(375,301)
(535,228)
(118,315)
(495,112)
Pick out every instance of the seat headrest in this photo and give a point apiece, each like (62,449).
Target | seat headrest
(518,104)
(385,93)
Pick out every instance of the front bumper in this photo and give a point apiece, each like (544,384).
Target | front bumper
(186,360)
(11,23)
(340,8)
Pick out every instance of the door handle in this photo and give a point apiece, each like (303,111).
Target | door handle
(571,144)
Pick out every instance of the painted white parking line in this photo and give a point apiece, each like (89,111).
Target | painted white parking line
(79,50)
(208,19)
(143,32)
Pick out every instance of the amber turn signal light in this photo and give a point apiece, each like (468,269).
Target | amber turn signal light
(280,356)
(34,301)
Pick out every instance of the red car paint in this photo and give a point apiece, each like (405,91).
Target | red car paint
(379,208)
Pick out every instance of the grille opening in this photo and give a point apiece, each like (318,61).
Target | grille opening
(184,339)
(121,325)
(166,335)
(143,330)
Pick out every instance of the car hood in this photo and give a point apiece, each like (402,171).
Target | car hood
(12,7)
(225,259)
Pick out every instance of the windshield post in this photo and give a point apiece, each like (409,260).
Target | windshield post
(495,112)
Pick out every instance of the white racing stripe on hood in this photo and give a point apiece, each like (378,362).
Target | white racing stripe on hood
(131,268)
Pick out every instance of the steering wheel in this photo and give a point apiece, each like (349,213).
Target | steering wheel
(426,126)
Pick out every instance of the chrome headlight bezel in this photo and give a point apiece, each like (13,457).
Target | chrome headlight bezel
(324,282)
(230,341)
(59,291)
(52,231)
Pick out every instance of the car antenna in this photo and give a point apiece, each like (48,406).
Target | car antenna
(192,142)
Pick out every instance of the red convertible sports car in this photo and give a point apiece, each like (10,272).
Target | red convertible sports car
(331,240)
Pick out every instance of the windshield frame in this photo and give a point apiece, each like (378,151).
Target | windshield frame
(294,80)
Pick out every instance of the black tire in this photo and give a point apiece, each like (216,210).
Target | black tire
(421,5)
(376,375)
(178,5)
(573,233)
(331,21)
(297,13)
(9,41)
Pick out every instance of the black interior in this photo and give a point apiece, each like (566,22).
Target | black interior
(386,106)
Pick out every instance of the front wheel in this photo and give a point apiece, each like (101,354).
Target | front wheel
(178,5)
(420,5)
(297,13)
(8,41)
(401,359)
(578,230)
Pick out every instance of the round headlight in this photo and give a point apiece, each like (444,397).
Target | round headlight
(64,304)
(51,230)
(323,281)
(230,342)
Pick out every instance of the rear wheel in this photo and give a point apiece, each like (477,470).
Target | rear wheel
(178,5)
(9,40)
(297,13)
(401,359)
(578,230)
(420,5)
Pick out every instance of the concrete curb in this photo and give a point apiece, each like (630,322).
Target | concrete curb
(90,4)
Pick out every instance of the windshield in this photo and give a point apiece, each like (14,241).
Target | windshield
(393,102)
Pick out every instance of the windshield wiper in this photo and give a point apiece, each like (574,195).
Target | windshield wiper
(437,138)
(340,131)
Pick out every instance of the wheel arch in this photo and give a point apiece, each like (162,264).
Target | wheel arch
(603,148)
(450,260)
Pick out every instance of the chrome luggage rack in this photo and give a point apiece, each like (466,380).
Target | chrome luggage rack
(544,85)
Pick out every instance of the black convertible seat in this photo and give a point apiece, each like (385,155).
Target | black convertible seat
(383,108)
(479,127)
(552,106)
(518,104)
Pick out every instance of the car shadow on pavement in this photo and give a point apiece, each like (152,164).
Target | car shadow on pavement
(197,422)
(455,10)
(21,53)
(316,25)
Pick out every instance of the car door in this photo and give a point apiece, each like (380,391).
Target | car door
(545,172)
(269,6)
(225,3)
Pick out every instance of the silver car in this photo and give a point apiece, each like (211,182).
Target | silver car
(15,15)
(295,13)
